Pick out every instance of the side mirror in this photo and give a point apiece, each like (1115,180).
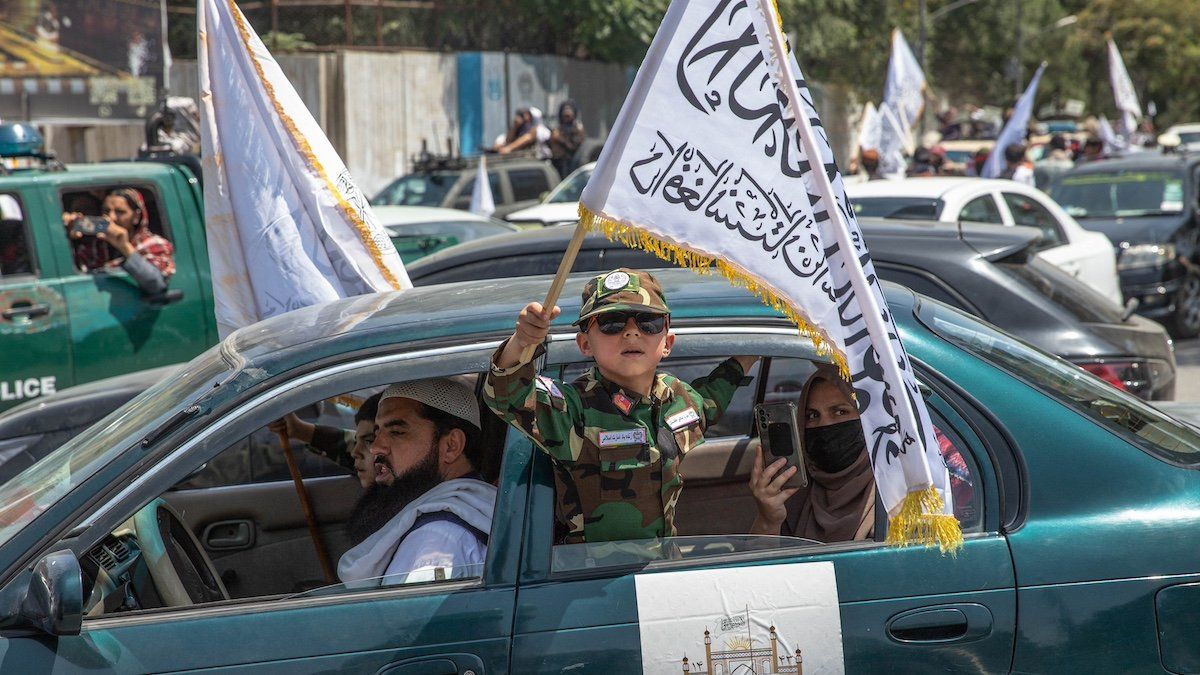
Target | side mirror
(53,603)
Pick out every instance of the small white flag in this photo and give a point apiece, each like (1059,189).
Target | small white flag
(482,202)
(1123,92)
(1014,129)
(287,227)
(718,160)
(904,100)
(869,129)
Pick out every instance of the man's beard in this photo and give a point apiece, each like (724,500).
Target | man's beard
(381,502)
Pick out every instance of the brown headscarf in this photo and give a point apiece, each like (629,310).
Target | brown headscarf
(835,506)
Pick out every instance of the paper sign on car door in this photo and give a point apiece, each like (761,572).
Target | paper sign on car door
(764,619)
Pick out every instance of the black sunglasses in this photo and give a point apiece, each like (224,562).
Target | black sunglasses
(611,323)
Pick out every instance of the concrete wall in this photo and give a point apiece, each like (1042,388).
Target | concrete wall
(391,103)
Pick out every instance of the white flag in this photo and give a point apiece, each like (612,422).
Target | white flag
(1112,142)
(1123,92)
(869,129)
(482,202)
(706,168)
(1014,129)
(287,227)
(904,89)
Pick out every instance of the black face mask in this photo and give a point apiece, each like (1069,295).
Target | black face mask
(834,447)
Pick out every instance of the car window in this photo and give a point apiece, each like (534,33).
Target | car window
(1075,297)
(385,516)
(981,210)
(463,200)
(912,208)
(528,184)
(1026,211)
(1120,194)
(88,253)
(715,508)
(921,283)
(418,189)
(16,247)
(509,266)
(1141,424)
(569,190)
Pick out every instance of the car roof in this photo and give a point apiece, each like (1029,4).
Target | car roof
(108,171)
(409,215)
(1135,162)
(910,238)
(932,188)
(466,311)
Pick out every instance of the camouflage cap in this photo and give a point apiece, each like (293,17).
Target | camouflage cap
(622,289)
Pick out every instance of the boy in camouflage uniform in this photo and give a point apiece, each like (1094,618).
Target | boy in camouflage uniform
(619,433)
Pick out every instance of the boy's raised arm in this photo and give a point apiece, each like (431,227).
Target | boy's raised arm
(533,325)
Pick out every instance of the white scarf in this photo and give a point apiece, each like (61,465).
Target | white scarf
(469,499)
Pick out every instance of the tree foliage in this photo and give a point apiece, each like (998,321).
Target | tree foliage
(969,50)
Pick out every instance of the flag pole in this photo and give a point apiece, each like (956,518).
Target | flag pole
(306,506)
(560,277)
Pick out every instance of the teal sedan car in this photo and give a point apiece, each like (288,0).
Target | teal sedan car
(168,537)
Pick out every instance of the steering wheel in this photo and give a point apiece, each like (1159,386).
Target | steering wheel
(182,572)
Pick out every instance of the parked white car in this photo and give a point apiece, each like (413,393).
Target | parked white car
(1086,255)
(560,206)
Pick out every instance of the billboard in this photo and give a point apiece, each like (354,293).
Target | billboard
(84,60)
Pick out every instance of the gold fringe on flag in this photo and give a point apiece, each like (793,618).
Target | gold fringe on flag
(921,522)
(702,263)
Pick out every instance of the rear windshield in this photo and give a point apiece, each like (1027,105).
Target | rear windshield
(418,189)
(1120,194)
(1064,290)
(1123,413)
(912,208)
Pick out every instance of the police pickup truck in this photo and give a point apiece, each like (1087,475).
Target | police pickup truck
(60,325)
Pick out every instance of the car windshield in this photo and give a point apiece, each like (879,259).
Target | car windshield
(1189,137)
(1120,194)
(1064,290)
(569,190)
(38,487)
(417,189)
(912,208)
(1126,415)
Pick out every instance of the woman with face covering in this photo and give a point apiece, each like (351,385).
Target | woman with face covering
(126,242)
(839,502)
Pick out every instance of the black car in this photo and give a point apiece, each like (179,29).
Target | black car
(1147,205)
(31,430)
(989,270)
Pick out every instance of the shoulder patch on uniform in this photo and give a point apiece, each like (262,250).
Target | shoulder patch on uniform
(683,418)
(548,385)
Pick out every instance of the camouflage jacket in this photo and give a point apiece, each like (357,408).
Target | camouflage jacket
(333,443)
(616,455)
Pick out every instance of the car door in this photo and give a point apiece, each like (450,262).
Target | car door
(34,322)
(456,625)
(114,328)
(907,609)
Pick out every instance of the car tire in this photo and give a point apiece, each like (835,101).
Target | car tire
(1185,321)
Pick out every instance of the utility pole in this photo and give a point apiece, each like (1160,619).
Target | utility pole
(921,20)
(1019,67)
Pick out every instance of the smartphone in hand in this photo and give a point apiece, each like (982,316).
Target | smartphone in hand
(779,436)
(89,226)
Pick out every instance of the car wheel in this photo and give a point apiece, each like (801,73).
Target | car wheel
(1185,322)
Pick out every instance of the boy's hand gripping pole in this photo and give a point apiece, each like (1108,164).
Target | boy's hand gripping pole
(560,279)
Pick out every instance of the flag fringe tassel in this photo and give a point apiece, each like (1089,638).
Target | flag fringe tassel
(701,263)
(920,521)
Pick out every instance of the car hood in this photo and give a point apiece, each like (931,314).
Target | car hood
(546,213)
(1145,229)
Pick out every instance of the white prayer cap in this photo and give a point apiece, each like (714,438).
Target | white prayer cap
(452,398)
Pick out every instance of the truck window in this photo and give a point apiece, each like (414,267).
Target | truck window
(16,250)
(91,254)
(528,184)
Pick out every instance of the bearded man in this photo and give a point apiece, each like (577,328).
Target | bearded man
(429,512)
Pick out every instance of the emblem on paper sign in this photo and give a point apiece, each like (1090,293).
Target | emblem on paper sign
(734,650)
(616,281)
